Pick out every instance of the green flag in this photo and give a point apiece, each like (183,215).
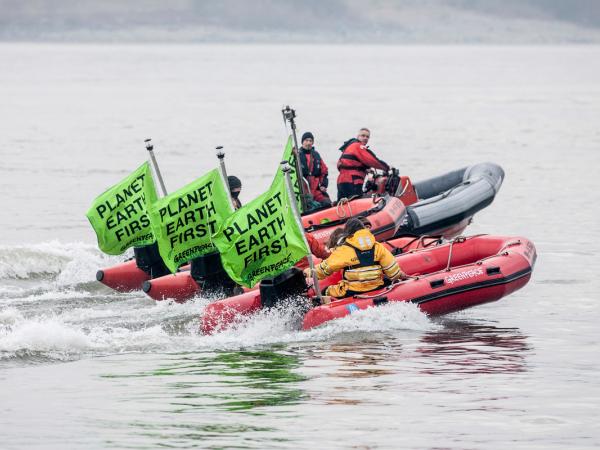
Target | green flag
(119,217)
(184,220)
(288,155)
(261,239)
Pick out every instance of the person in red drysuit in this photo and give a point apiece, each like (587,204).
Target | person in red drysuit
(353,164)
(314,170)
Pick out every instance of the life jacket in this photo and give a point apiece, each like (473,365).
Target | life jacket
(314,171)
(356,158)
(363,262)
(366,270)
(315,159)
(348,161)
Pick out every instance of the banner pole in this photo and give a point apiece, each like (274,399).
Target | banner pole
(150,148)
(289,114)
(223,172)
(285,167)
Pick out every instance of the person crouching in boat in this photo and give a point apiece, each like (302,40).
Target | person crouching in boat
(353,164)
(315,171)
(364,262)
(235,187)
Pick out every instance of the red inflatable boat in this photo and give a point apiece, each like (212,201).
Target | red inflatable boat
(459,274)
(123,277)
(385,214)
(442,205)
(181,286)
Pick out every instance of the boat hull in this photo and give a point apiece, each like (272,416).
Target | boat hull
(447,203)
(123,277)
(450,277)
(446,207)
(181,286)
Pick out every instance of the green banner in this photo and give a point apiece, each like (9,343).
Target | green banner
(288,155)
(184,220)
(261,239)
(119,217)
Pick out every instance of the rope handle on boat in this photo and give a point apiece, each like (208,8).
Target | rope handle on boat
(437,239)
(425,236)
(400,250)
(457,239)
(403,189)
(379,202)
(510,244)
(340,207)
(502,252)
(420,244)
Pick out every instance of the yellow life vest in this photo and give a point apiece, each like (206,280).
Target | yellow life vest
(364,262)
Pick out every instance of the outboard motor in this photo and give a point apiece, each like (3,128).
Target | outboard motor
(287,284)
(148,259)
(392,182)
(379,182)
(208,272)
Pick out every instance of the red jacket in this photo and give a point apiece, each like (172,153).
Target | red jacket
(316,248)
(315,171)
(355,160)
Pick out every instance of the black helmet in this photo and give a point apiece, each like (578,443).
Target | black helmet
(234,182)
(307,135)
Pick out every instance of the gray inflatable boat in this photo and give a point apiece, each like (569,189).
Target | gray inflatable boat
(447,203)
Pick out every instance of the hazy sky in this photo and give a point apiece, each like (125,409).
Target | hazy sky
(427,21)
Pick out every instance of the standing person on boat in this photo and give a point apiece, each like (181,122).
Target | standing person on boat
(363,262)
(353,164)
(235,187)
(314,170)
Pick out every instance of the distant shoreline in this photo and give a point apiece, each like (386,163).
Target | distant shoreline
(108,42)
(385,22)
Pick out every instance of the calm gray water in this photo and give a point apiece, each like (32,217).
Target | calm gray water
(84,367)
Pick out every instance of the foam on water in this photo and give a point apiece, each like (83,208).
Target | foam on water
(393,316)
(281,326)
(62,314)
(53,294)
(134,325)
(9,290)
(76,332)
(9,315)
(70,263)
(21,335)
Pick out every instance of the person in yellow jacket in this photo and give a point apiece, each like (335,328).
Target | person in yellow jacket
(364,262)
